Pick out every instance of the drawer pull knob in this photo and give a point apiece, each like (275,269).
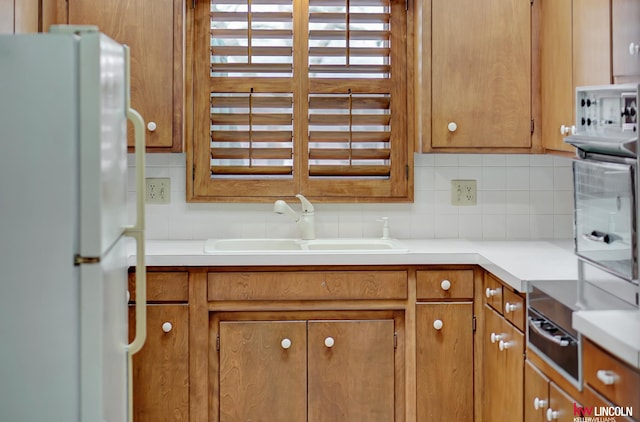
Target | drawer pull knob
(167,327)
(437,324)
(152,126)
(452,126)
(539,403)
(489,293)
(607,377)
(285,343)
(445,285)
(552,415)
(495,337)
(329,342)
(504,345)
(510,307)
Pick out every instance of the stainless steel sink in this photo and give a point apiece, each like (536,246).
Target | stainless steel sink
(287,246)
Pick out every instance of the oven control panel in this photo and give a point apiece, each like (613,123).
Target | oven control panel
(609,108)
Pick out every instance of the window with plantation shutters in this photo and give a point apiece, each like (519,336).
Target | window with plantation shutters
(300,96)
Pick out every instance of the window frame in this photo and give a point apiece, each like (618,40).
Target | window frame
(398,187)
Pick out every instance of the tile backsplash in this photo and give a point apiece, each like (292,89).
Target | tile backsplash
(518,197)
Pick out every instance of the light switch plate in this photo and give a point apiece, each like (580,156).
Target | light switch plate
(463,192)
(158,190)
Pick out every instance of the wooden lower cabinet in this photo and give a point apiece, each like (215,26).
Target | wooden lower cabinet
(304,369)
(161,367)
(503,369)
(444,361)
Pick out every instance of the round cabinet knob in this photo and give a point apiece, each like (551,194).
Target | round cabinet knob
(495,337)
(128,296)
(564,130)
(152,126)
(504,345)
(445,285)
(167,327)
(552,415)
(285,343)
(489,293)
(539,403)
(634,49)
(452,126)
(437,324)
(329,342)
(573,130)
(510,307)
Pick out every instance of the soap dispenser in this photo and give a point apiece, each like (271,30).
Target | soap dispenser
(385,227)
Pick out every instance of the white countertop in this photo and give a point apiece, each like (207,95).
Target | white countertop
(514,262)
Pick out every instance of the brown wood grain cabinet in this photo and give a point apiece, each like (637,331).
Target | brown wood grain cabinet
(161,368)
(477,75)
(545,400)
(503,345)
(444,345)
(575,51)
(154,31)
(315,369)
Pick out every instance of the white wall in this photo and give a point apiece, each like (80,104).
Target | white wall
(519,197)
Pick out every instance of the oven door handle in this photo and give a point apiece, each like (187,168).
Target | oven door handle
(598,236)
(557,340)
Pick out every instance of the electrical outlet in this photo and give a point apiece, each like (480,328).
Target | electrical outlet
(463,192)
(158,190)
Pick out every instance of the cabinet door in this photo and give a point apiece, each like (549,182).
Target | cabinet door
(263,378)
(503,370)
(147,27)
(351,371)
(626,30)
(161,367)
(536,394)
(444,351)
(561,405)
(481,73)
(556,73)
(575,52)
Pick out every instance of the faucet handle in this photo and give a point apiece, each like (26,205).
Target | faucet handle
(306,205)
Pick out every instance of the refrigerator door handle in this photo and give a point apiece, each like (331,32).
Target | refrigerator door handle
(137,232)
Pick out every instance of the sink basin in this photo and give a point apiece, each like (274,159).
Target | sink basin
(288,246)
(213,245)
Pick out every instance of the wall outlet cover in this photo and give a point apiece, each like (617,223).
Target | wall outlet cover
(464,192)
(158,190)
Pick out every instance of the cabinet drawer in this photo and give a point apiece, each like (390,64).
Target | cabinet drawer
(163,287)
(620,383)
(513,308)
(493,292)
(312,285)
(451,284)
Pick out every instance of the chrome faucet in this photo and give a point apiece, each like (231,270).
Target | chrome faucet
(305,221)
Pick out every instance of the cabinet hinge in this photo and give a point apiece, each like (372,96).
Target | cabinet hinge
(395,340)
(217,343)
(532,126)
(473,323)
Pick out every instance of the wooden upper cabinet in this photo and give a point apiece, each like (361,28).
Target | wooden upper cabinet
(154,31)
(19,16)
(480,75)
(575,51)
(626,40)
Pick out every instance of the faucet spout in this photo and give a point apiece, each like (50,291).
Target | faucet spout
(305,221)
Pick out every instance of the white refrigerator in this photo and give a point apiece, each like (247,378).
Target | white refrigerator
(64,347)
